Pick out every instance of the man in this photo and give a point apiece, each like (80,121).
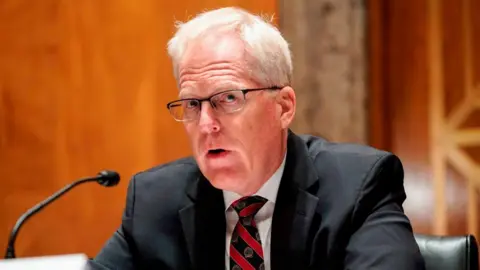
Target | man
(255,195)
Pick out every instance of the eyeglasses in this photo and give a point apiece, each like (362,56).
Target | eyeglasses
(229,101)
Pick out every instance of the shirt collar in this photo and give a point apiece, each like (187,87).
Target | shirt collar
(269,189)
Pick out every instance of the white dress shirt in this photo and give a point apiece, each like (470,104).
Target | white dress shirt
(263,218)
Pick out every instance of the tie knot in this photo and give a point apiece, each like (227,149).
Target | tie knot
(248,206)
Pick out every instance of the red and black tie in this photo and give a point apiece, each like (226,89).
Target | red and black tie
(246,251)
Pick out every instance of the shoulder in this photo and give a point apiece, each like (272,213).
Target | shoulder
(345,156)
(173,171)
(351,174)
(166,182)
(344,169)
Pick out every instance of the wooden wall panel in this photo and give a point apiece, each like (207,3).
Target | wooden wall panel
(398,100)
(83,87)
(451,36)
(425,78)
(454,103)
(327,39)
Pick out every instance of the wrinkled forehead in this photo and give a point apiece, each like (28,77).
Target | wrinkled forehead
(210,89)
(204,53)
(213,63)
(215,47)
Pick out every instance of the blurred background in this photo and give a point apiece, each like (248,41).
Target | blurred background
(84,86)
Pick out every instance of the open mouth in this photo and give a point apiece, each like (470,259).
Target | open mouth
(216,152)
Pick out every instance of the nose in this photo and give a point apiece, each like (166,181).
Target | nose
(207,121)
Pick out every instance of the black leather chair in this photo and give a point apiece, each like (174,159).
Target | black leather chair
(448,252)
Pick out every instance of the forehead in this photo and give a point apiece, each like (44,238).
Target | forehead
(214,47)
(215,61)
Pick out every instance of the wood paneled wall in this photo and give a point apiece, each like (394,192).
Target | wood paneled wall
(83,87)
(425,104)
(327,39)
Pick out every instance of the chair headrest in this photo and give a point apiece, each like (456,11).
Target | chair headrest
(448,252)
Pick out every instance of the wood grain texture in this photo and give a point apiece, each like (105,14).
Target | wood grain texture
(436,119)
(83,87)
(424,78)
(398,107)
(378,131)
(327,39)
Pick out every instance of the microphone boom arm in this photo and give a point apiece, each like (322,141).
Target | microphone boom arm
(102,178)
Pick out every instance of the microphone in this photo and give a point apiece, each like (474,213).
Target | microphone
(105,178)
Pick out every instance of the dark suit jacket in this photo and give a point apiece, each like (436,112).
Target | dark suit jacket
(339,206)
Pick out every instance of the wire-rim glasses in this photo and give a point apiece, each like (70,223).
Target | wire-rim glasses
(228,101)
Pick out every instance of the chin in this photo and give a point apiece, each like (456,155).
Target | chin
(227,176)
(225,182)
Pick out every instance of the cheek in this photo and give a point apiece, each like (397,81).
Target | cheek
(271,119)
(261,127)
(191,132)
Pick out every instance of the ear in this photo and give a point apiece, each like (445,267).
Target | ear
(287,101)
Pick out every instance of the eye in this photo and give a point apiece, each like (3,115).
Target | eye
(229,98)
(191,104)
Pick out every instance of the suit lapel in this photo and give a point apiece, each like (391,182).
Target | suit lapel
(203,217)
(203,223)
(294,209)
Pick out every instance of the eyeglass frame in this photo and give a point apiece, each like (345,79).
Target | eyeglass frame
(209,99)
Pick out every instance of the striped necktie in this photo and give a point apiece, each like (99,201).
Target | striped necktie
(246,251)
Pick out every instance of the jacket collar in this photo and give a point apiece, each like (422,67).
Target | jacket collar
(295,208)
(203,217)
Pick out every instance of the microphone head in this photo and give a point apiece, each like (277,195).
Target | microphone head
(108,178)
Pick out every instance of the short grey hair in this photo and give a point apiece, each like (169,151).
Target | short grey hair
(264,44)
